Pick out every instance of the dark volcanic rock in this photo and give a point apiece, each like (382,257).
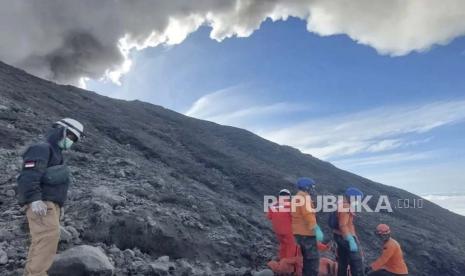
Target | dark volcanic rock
(80,261)
(149,182)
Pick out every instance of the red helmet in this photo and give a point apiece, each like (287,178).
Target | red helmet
(383,229)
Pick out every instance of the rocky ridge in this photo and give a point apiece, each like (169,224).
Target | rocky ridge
(158,193)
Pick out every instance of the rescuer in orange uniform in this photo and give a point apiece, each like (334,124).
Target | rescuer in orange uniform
(391,262)
(348,245)
(280,216)
(304,226)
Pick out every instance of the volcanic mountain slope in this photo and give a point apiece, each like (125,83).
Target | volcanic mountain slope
(149,178)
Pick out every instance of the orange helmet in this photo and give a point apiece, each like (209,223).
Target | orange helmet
(383,229)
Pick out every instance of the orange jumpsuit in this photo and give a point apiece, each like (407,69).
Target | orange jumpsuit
(346,222)
(304,218)
(303,227)
(347,258)
(281,220)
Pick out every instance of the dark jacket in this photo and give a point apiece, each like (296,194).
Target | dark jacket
(38,161)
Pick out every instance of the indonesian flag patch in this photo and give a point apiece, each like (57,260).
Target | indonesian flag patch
(29,164)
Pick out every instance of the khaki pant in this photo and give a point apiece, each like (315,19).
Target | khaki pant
(45,235)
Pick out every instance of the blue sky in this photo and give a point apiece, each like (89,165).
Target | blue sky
(397,120)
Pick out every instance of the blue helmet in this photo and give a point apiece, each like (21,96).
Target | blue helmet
(353,192)
(304,183)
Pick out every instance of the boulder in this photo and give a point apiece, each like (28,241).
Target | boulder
(6,235)
(65,235)
(10,193)
(163,259)
(80,261)
(129,254)
(114,250)
(108,196)
(265,272)
(74,233)
(3,257)
(162,266)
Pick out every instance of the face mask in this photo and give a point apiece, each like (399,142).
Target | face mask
(65,143)
(383,238)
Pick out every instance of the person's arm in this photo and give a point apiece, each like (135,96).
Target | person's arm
(388,251)
(269,214)
(35,161)
(343,219)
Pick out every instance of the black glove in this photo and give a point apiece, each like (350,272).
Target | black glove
(367,270)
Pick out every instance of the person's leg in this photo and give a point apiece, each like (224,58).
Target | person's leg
(282,246)
(311,258)
(342,255)
(45,235)
(299,240)
(356,264)
(289,246)
(314,255)
(357,267)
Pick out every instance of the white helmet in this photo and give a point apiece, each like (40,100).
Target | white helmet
(72,125)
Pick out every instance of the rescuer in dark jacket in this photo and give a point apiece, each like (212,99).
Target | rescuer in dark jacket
(42,189)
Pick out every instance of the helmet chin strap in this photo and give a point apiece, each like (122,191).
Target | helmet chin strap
(65,129)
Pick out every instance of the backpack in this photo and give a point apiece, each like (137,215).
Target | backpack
(333,221)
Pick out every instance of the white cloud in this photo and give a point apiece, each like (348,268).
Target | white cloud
(242,115)
(236,106)
(223,101)
(367,131)
(375,143)
(384,145)
(383,159)
(336,137)
(454,203)
(69,40)
(444,174)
